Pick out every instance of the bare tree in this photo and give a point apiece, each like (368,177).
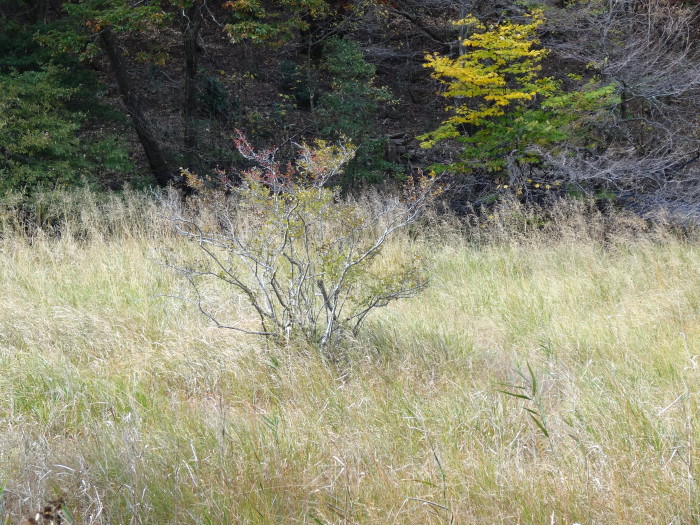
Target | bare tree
(650,50)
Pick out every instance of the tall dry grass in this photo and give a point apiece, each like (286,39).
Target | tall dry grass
(133,408)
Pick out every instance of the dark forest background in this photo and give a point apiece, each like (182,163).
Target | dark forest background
(114,93)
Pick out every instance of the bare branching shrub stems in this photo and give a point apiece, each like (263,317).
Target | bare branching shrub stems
(649,50)
(308,261)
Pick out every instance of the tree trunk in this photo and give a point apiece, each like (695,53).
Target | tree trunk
(151,148)
(192,23)
(463,12)
(40,10)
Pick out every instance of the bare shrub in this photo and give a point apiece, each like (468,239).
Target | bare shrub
(308,261)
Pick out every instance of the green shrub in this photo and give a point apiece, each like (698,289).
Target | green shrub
(213,98)
(350,107)
(40,143)
(295,81)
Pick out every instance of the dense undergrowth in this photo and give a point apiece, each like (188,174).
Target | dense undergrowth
(134,409)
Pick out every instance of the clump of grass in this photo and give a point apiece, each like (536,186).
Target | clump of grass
(134,408)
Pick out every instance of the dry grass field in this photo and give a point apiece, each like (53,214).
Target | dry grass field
(133,408)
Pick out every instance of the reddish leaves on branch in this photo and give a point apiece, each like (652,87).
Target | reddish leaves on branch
(268,170)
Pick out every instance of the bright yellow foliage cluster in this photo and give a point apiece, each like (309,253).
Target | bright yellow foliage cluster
(498,69)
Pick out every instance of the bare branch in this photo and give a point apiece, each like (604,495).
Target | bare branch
(300,254)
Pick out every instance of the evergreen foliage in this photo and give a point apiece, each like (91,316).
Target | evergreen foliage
(350,107)
(40,142)
(214,100)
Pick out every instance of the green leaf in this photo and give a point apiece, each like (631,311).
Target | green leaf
(513,394)
(540,425)
(533,380)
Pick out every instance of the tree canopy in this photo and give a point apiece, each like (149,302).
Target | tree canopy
(597,96)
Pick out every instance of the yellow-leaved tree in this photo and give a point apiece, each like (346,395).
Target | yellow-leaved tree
(503,107)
